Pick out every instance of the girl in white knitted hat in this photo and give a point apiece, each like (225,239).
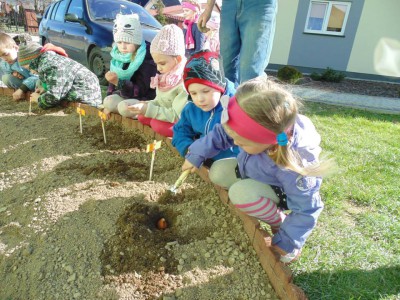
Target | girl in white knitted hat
(168,52)
(131,65)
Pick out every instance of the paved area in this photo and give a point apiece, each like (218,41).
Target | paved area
(372,103)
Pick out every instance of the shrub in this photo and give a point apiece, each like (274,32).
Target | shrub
(329,74)
(289,74)
(159,5)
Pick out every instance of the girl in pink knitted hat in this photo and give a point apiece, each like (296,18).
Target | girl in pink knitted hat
(168,52)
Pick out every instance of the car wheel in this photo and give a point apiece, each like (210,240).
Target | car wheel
(96,63)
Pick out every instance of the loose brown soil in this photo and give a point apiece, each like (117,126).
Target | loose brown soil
(78,218)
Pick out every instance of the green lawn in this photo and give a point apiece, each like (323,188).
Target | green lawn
(354,253)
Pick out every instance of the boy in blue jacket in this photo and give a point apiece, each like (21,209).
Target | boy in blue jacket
(12,74)
(206,84)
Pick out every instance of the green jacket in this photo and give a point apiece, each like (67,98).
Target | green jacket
(167,106)
(66,80)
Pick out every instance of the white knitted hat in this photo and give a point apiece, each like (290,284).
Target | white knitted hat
(127,29)
(169,41)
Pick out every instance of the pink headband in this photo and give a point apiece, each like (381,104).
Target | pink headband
(190,6)
(246,127)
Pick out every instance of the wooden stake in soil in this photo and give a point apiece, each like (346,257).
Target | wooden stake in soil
(30,106)
(81,113)
(103,118)
(152,148)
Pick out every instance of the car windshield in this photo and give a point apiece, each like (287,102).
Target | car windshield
(106,10)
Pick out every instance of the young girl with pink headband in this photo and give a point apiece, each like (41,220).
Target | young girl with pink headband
(278,167)
(194,39)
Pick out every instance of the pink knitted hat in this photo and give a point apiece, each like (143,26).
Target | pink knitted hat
(169,41)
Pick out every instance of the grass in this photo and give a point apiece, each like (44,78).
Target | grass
(354,252)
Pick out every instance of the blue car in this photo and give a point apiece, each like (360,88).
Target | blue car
(84,29)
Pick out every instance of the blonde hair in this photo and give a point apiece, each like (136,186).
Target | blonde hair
(276,109)
(6,41)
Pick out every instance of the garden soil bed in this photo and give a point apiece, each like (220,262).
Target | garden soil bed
(78,218)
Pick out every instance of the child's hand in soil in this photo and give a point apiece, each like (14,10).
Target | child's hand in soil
(187,165)
(107,113)
(18,95)
(111,77)
(18,75)
(34,97)
(39,90)
(139,108)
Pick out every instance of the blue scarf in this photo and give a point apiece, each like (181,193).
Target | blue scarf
(118,60)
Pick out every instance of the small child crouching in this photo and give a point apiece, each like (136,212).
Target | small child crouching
(131,66)
(64,79)
(168,51)
(205,82)
(12,74)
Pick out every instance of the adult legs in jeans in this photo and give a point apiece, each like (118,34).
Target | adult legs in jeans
(252,197)
(246,35)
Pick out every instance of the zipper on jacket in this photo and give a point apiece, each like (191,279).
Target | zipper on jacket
(209,121)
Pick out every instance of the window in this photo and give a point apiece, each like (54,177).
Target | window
(327,17)
(60,14)
(46,12)
(75,7)
(54,9)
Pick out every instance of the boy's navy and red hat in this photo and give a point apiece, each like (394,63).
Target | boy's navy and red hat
(204,67)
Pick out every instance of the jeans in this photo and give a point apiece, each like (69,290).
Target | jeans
(246,36)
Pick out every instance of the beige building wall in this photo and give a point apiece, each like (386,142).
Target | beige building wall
(285,19)
(378,35)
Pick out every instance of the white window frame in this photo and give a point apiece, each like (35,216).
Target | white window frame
(326,18)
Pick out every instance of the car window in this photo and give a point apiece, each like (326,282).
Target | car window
(47,11)
(53,12)
(76,7)
(61,11)
(106,10)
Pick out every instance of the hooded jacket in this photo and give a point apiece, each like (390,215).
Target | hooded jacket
(196,123)
(303,198)
(65,79)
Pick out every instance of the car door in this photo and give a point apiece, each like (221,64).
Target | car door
(54,25)
(75,32)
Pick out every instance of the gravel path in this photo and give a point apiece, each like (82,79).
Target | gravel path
(352,86)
